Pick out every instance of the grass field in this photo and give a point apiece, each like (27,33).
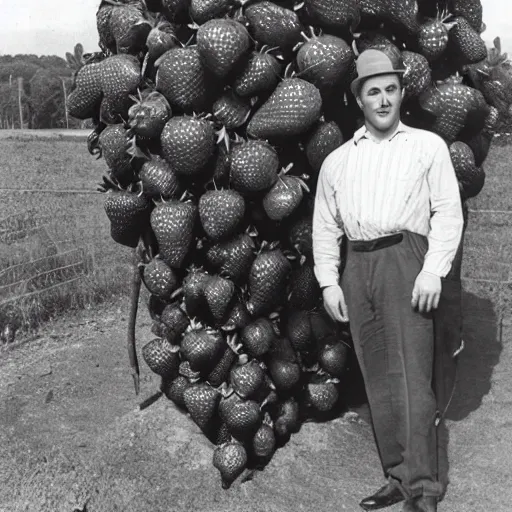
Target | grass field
(55,247)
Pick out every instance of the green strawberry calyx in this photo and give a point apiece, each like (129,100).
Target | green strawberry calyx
(223,136)
(233,344)
(225,390)
(267,420)
(269,50)
(306,38)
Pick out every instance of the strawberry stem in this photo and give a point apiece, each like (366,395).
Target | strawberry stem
(132,320)
(176,293)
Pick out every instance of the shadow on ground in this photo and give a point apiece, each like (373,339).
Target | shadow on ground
(477,361)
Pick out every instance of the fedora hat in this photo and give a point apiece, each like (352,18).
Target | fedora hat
(373,63)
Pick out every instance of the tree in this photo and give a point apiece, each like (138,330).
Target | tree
(46,102)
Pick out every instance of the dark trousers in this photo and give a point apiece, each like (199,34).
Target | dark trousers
(395,348)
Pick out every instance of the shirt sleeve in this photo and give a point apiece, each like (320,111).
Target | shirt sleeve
(327,230)
(446,222)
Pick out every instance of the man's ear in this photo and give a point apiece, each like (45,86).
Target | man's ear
(403,92)
(359,102)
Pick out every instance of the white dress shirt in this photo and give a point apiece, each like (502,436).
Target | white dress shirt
(368,188)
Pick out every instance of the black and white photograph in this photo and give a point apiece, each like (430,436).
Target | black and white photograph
(255,256)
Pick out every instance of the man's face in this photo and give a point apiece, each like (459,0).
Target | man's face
(380,98)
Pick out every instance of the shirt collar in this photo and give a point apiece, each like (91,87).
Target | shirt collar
(364,133)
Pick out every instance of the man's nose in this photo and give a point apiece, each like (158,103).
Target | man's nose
(384,100)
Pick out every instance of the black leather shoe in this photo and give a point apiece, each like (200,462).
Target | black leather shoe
(421,504)
(384,497)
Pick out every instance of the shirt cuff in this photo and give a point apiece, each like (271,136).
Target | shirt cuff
(327,276)
(430,267)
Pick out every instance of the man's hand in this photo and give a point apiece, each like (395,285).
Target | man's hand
(426,292)
(334,302)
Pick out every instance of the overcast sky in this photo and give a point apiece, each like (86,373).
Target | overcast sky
(48,27)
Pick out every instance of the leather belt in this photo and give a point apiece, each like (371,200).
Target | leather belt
(376,243)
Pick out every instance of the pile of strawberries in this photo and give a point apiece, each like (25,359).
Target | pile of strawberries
(214,117)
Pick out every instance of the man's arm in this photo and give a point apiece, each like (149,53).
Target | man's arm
(327,234)
(327,230)
(445,234)
(447,221)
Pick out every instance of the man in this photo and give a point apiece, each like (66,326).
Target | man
(392,192)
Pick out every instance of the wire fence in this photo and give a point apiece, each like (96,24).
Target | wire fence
(55,253)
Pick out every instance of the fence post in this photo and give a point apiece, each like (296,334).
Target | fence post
(20,88)
(65,102)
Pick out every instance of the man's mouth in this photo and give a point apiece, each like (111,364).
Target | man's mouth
(382,112)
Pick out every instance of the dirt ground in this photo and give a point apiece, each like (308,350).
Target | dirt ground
(72,437)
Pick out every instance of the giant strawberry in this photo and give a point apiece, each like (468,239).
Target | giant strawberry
(202,348)
(161,38)
(260,75)
(120,76)
(222,43)
(267,281)
(468,47)
(433,39)
(231,110)
(298,330)
(333,355)
(242,417)
(123,27)
(232,258)
(160,279)
(158,179)
(147,117)
(201,401)
(470,177)
(403,14)
(333,14)
(324,61)
(221,212)
(273,25)
(291,110)
(258,337)
(128,214)
(183,80)
(114,142)
(321,394)
(230,459)
(417,76)
(451,105)
(323,139)
(188,144)
(247,377)
(254,167)
(193,292)
(284,197)
(304,292)
(173,225)
(471,10)
(162,358)
(202,11)
(175,322)
(85,98)
(218,293)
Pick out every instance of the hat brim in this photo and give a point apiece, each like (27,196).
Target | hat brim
(356,82)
